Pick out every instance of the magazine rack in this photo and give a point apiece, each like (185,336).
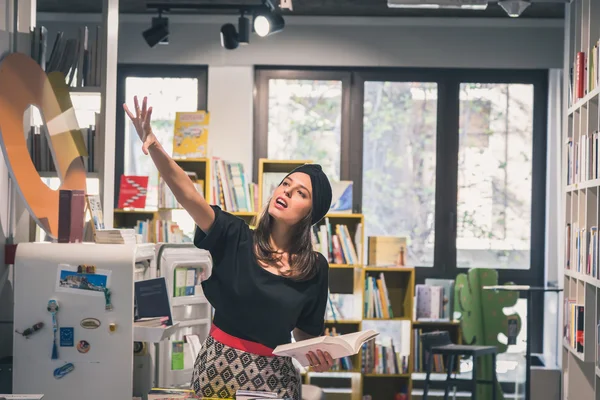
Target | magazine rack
(192,311)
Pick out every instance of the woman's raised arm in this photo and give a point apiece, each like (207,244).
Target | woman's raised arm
(174,176)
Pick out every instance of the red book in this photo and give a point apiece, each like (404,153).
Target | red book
(580,74)
(132,191)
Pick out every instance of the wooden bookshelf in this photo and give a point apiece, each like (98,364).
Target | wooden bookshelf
(202,167)
(580,204)
(400,284)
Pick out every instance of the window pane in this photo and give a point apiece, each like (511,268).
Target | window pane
(305,118)
(494,176)
(167,96)
(399,164)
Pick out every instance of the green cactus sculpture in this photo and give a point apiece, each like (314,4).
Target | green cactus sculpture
(482,319)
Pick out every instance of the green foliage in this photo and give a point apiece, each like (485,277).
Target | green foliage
(483,318)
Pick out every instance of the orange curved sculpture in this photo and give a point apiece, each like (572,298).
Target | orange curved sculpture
(23,83)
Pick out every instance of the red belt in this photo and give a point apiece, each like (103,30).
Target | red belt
(240,344)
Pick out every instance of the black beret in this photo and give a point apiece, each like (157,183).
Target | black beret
(321,190)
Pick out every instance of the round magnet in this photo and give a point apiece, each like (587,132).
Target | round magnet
(83,346)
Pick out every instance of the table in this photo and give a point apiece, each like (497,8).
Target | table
(530,290)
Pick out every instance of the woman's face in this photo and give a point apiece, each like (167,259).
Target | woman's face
(292,200)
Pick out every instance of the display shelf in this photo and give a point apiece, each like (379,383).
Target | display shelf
(580,210)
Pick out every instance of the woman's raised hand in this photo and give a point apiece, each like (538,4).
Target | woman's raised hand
(141,121)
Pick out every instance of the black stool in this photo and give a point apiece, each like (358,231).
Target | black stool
(439,343)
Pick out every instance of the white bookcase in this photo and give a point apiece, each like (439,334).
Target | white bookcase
(581,189)
(193,313)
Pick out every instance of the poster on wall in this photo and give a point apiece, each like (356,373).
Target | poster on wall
(74,279)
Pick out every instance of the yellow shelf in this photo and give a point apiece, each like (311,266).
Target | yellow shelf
(343,215)
(344,266)
(390,269)
(191,160)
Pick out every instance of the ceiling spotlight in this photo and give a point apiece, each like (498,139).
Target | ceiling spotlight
(158,33)
(229,37)
(267,23)
(514,8)
(243,30)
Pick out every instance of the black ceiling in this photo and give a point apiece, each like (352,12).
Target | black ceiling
(376,8)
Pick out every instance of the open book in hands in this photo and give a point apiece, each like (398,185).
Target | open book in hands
(337,346)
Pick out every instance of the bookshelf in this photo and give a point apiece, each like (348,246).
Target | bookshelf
(348,281)
(581,185)
(204,170)
(90,90)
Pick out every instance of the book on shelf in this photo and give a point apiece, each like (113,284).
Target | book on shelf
(340,307)
(336,243)
(342,363)
(337,346)
(230,188)
(377,299)
(132,191)
(94,206)
(187,280)
(383,358)
(78,58)
(387,251)
(582,158)
(160,231)
(190,134)
(573,324)
(71,216)
(341,196)
(433,300)
(166,198)
(41,155)
(581,252)
(153,322)
(447,297)
(116,236)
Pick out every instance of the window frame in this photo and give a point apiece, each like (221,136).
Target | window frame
(448,113)
(261,103)
(125,71)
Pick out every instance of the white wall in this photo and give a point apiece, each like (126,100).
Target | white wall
(230,103)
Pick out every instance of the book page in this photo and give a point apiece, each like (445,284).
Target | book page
(356,339)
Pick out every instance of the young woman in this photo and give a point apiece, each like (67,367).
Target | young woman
(265,284)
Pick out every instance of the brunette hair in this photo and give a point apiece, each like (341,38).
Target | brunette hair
(302,258)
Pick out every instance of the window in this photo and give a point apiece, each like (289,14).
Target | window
(169,89)
(495,176)
(399,147)
(305,122)
(304,118)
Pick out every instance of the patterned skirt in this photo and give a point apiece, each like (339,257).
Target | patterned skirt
(220,370)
